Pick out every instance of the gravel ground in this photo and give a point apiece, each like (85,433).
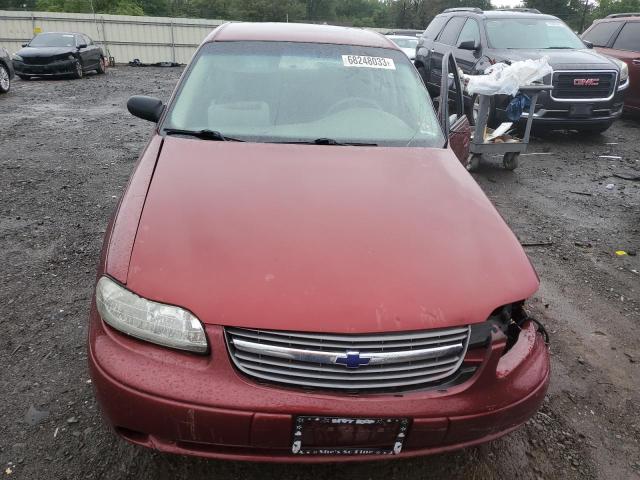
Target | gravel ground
(66,151)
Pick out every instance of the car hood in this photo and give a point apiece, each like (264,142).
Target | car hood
(27,52)
(586,59)
(323,238)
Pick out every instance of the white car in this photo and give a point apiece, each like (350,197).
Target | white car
(406,43)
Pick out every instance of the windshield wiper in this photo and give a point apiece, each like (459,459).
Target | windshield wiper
(204,134)
(331,141)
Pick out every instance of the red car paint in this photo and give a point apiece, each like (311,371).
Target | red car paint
(610,46)
(632,59)
(308,238)
(349,239)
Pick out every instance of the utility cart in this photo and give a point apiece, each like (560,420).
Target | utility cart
(510,150)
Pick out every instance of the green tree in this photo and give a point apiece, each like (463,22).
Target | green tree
(570,11)
(267,10)
(115,7)
(607,7)
(320,9)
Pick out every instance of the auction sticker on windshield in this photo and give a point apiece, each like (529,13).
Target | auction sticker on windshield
(368,62)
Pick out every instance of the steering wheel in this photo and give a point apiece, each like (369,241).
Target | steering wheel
(341,104)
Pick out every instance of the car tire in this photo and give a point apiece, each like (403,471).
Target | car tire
(511,160)
(474,162)
(472,109)
(102,68)
(5,79)
(77,69)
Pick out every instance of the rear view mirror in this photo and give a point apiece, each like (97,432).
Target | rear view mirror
(147,108)
(587,43)
(468,45)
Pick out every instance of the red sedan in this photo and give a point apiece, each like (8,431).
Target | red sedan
(301,270)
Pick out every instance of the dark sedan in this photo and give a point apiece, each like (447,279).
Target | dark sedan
(6,71)
(58,53)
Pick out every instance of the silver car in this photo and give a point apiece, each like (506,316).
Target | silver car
(406,43)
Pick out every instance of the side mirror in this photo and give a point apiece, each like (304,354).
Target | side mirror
(82,45)
(25,44)
(469,45)
(587,43)
(146,108)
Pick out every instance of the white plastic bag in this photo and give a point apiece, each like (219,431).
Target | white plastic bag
(507,79)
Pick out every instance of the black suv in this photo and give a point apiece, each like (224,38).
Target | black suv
(588,87)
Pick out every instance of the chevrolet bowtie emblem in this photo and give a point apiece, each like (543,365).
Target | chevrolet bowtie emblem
(353,360)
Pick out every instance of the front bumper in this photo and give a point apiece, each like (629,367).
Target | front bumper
(200,405)
(59,67)
(553,114)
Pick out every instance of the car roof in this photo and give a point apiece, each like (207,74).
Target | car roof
(509,14)
(497,14)
(298,32)
(620,17)
(60,33)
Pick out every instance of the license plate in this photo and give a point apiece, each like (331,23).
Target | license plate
(348,436)
(580,110)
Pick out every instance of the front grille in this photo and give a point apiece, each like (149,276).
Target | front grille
(38,60)
(583,85)
(398,361)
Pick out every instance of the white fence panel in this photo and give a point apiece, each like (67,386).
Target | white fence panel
(149,39)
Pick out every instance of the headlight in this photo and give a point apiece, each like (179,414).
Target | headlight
(624,72)
(151,321)
(624,69)
(16,57)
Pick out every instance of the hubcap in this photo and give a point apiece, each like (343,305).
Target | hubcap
(79,68)
(4,78)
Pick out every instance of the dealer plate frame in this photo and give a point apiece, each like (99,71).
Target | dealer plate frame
(298,449)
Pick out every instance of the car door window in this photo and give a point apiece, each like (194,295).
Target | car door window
(434,27)
(450,33)
(601,34)
(629,38)
(470,32)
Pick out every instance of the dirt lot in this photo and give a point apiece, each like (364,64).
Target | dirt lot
(66,151)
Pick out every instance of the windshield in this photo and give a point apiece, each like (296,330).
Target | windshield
(405,42)
(531,33)
(288,92)
(53,40)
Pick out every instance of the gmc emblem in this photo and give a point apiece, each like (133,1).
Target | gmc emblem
(586,82)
